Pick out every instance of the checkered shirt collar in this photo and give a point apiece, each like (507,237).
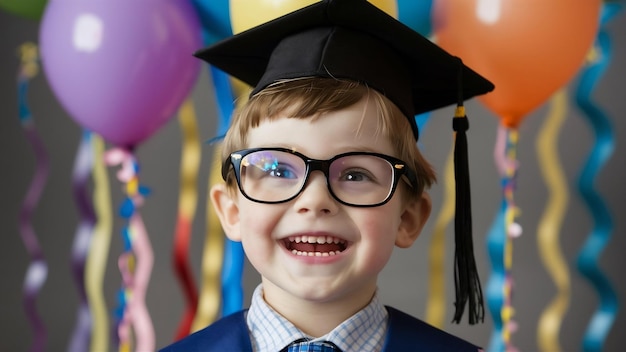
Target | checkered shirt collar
(365,331)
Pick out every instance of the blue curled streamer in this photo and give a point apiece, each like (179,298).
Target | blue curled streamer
(496,243)
(421,120)
(417,15)
(215,19)
(224,97)
(587,261)
(83,165)
(232,275)
(232,270)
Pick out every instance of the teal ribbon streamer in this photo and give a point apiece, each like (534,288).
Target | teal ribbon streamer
(587,261)
(496,243)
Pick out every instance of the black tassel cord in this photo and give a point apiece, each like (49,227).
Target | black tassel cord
(466,280)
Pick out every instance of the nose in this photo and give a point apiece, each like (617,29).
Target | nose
(315,197)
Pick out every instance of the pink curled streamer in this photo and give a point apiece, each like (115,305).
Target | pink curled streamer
(136,263)
(144,331)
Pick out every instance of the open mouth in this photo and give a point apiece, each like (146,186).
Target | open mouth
(315,246)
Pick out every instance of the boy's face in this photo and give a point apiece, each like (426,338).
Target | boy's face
(366,236)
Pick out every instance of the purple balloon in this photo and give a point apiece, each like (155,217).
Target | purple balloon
(121,68)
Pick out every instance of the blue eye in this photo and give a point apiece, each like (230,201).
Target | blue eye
(281,171)
(272,165)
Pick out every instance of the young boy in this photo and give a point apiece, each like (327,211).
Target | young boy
(323,177)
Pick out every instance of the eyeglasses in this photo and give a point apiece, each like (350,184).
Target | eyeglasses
(277,175)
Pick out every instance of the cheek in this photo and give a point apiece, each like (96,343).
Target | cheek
(256,217)
(379,230)
(254,239)
(257,224)
(382,224)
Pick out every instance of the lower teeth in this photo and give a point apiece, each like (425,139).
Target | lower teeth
(313,254)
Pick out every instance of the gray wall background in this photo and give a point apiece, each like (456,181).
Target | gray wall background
(402,284)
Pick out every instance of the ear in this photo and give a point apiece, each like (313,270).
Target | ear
(412,220)
(227,210)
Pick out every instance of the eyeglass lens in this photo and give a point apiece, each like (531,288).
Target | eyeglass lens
(274,176)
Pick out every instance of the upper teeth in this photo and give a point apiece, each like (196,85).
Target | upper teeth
(315,239)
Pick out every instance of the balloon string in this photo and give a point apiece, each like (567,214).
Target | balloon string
(37,271)
(99,250)
(436,303)
(499,244)
(212,259)
(190,161)
(549,227)
(587,260)
(136,262)
(82,241)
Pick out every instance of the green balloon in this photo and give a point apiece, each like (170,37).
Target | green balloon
(31,9)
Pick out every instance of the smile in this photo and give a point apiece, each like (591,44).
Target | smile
(315,246)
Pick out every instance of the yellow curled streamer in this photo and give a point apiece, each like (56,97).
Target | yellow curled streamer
(99,250)
(190,160)
(213,255)
(436,303)
(549,226)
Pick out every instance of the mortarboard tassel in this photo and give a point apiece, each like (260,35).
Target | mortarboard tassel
(466,280)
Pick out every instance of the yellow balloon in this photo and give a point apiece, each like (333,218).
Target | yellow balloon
(245,14)
(389,6)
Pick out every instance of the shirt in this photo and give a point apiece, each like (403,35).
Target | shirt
(365,331)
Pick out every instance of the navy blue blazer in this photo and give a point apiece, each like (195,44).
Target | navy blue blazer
(405,333)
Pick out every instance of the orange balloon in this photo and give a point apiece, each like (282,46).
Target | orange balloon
(527,48)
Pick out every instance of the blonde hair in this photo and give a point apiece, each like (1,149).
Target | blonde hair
(312,97)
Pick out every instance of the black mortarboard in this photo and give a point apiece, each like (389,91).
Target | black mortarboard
(353,39)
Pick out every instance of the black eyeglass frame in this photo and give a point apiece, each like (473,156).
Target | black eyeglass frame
(400,168)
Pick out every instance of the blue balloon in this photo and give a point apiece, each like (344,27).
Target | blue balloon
(215,19)
(416,14)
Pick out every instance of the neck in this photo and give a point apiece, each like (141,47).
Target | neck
(316,317)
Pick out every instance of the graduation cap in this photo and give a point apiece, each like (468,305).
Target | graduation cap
(353,39)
